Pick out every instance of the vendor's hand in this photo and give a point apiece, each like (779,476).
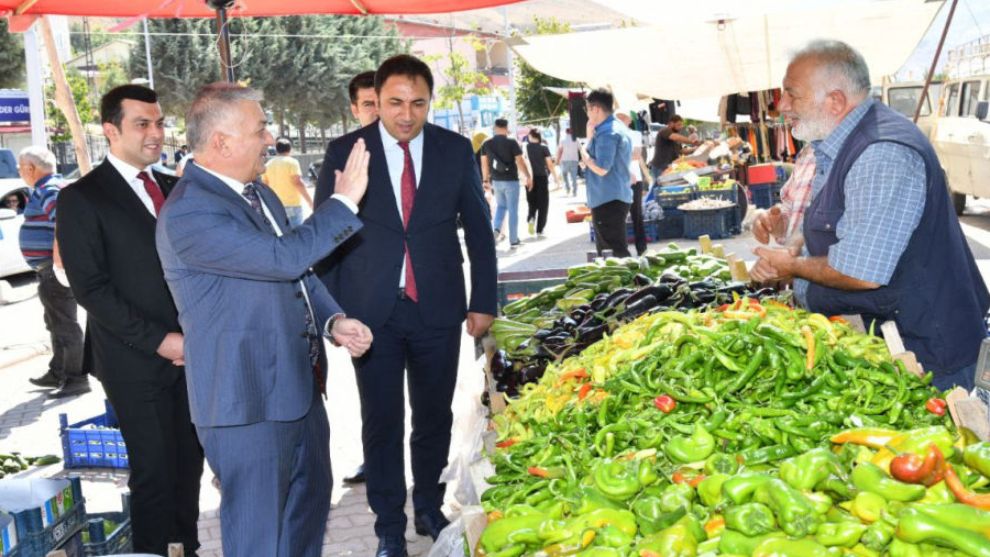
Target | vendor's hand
(769,223)
(353,335)
(478,323)
(774,264)
(171,348)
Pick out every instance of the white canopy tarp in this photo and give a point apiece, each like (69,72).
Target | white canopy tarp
(692,59)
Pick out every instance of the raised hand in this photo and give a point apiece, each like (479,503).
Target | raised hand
(352,182)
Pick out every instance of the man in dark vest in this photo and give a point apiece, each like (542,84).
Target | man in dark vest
(881,238)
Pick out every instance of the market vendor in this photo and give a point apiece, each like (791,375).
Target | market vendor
(669,145)
(881,238)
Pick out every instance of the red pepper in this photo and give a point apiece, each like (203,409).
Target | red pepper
(583,392)
(578,373)
(689,476)
(693,482)
(665,403)
(936,406)
(911,468)
(538,472)
(964,495)
(723,307)
(507,443)
(838,319)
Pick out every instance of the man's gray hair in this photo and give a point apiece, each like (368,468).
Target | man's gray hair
(38,156)
(210,109)
(840,66)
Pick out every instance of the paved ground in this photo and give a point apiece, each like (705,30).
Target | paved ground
(29,421)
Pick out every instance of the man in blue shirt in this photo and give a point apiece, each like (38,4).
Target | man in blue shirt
(36,166)
(607,160)
(880,236)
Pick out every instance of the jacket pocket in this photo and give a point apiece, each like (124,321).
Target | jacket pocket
(244,369)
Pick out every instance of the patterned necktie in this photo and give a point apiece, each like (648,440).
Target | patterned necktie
(408,195)
(157,199)
(251,194)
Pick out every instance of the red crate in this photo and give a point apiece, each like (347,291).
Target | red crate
(761,174)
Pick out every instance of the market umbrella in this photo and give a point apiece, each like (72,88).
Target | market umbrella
(703,58)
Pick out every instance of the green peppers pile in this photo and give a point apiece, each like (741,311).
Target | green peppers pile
(711,433)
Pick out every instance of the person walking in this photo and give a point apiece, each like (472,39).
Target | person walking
(501,164)
(636,176)
(538,197)
(283,175)
(568,156)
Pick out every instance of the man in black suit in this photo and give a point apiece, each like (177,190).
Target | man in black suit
(402,275)
(106,233)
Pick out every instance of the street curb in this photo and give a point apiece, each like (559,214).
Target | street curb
(22,353)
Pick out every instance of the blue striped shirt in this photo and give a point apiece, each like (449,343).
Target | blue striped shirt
(37,234)
(885,198)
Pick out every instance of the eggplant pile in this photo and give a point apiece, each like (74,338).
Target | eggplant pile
(525,349)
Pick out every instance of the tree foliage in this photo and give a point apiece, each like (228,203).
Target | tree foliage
(461,81)
(80,93)
(534,103)
(11,58)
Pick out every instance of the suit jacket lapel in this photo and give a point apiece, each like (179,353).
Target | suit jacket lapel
(211,182)
(380,200)
(122,193)
(274,206)
(429,178)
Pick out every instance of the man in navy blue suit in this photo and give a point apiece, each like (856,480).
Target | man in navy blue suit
(402,274)
(254,317)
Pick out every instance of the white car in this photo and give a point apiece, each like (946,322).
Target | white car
(11,188)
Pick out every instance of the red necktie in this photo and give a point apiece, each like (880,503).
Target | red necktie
(157,199)
(408,194)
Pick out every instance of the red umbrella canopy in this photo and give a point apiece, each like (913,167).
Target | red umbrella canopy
(198,8)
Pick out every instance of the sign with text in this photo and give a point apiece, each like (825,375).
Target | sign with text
(14,107)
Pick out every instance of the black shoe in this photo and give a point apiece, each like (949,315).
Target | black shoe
(430,524)
(391,547)
(72,387)
(48,380)
(357,477)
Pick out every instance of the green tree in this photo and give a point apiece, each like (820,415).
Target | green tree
(182,62)
(111,75)
(80,93)
(461,80)
(533,101)
(11,58)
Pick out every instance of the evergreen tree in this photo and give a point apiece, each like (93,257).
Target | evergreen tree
(11,58)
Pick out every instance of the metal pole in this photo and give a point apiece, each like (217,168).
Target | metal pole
(147,54)
(36,95)
(931,71)
(513,119)
(226,70)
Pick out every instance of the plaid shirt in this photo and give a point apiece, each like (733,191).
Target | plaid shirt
(796,193)
(885,198)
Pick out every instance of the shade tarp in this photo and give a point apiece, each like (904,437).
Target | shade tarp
(691,59)
(21,12)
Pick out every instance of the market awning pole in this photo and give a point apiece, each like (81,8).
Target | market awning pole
(64,100)
(931,71)
(226,70)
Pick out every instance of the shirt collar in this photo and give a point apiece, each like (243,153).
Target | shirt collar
(233,184)
(43,181)
(126,170)
(390,142)
(606,121)
(830,146)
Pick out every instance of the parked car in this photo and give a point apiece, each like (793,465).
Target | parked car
(11,187)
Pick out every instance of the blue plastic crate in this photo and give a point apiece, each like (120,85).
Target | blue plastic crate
(119,541)
(764,196)
(84,447)
(651,228)
(671,225)
(35,539)
(671,197)
(716,223)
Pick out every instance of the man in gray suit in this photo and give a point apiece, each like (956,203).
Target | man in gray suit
(254,317)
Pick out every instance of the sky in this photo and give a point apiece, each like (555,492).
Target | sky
(971,20)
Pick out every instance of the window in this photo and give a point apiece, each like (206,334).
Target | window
(970,96)
(952,104)
(905,100)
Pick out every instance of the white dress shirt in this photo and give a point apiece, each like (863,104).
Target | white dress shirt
(395,157)
(129,173)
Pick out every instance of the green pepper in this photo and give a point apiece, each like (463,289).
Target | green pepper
(776,547)
(915,526)
(898,548)
(651,517)
(844,534)
(675,496)
(695,448)
(623,520)
(592,499)
(870,477)
(511,530)
(600,551)
(679,540)
(736,543)
(739,489)
(710,489)
(805,471)
(510,551)
(720,463)
(878,535)
(618,480)
(751,519)
(769,453)
(958,515)
(938,493)
(868,506)
(647,472)
(977,457)
(796,515)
